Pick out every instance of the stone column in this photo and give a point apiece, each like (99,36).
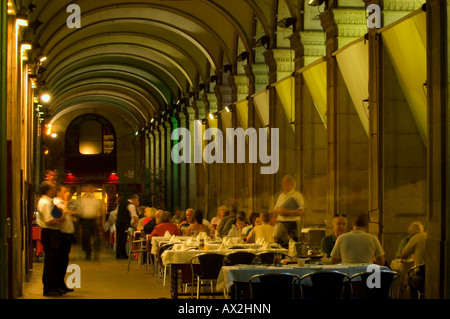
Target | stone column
(438,59)
(170,185)
(3,155)
(375,125)
(191,196)
(183,168)
(331,44)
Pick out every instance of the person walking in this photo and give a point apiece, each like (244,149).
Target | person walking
(90,212)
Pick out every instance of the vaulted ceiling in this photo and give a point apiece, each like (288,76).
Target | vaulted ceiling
(139,57)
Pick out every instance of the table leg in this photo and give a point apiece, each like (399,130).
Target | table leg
(174,281)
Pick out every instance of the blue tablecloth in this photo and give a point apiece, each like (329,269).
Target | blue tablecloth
(242,273)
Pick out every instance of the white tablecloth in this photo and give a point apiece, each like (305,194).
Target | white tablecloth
(184,256)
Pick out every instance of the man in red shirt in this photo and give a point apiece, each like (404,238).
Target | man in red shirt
(163,225)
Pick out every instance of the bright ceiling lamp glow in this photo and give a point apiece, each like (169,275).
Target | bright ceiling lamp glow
(45,98)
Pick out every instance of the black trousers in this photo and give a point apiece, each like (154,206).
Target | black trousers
(51,239)
(121,238)
(89,235)
(66,244)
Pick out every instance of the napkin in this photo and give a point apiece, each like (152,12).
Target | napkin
(266,246)
(167,235)
(292,251)
(202,235)
(174,239)
(224,246)
(227,240)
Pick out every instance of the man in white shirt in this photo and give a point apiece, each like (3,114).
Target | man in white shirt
(289,209)
(357,246)
(51,238)
(91,210)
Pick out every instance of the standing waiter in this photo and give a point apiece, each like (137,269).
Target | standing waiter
(50,222)
(289,209)
(126,214)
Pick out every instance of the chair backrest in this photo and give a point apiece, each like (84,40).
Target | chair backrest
(210,265)
(327,284)
(239,258)
(416,277)
(387,278)
(162,249)
(266,258)
(278,286)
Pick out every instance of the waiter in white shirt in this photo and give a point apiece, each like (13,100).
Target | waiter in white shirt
(289,209)
(50,224)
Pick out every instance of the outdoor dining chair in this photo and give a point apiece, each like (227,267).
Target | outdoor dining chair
(325,284)
(384,291)
(275,286)
(210,266)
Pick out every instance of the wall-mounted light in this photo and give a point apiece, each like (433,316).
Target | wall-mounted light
(201,86)
(229,108)
(45,98)
(315,3)
(41,58)
(10,9)
(213,78)
(22,20)
(264,41)
(24,47)
(243,56)
(287,22)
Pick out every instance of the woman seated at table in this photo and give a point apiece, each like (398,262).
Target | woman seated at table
(149,214)
(222,211)
(198,226)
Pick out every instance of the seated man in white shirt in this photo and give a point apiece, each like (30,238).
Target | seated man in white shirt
(357,246)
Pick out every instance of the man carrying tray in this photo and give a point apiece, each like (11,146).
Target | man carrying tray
(289,209)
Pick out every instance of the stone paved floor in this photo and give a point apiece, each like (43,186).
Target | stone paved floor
(105,278)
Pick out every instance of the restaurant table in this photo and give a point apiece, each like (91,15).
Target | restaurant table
(177,258)
(240,275)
